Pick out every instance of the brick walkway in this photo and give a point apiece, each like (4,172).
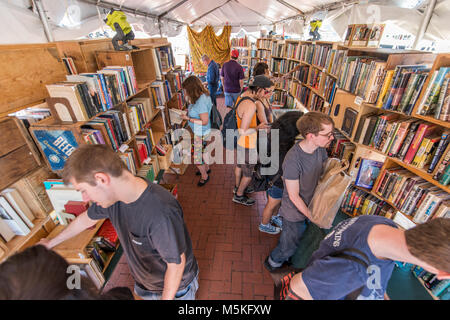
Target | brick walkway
(228,246)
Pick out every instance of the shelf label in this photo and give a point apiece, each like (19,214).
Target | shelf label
(123,148)
(358,101)
(127,57)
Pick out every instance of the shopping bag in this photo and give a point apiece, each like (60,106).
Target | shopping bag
(329,193)
(215,118)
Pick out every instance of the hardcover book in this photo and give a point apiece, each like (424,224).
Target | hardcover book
(368,172)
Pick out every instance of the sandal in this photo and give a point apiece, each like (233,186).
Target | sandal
(202,182)
(198,173)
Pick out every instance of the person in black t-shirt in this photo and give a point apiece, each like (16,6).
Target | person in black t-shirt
(148,220)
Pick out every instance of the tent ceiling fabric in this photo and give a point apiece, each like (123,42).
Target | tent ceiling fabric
(71,19)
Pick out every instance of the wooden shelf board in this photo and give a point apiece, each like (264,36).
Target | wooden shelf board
(15,243)
(77,243)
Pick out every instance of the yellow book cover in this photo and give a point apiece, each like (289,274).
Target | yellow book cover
(385,87)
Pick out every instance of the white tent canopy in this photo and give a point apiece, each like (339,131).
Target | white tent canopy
(72,19)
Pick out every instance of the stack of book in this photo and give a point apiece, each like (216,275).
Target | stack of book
(362,76)
(439,288)
(436,100)
(16,218)
(59,195)
(91,93)
(401,87)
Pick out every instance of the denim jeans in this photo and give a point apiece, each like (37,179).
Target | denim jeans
(187,293)
(287,244)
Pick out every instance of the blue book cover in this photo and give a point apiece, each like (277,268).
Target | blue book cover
(368,173)
(105,90)
(57,146)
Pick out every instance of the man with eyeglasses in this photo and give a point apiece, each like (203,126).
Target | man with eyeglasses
(302,168)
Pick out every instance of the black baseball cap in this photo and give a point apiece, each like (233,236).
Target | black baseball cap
(261,81)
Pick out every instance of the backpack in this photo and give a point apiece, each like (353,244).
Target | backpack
(282,289)
(215,118)
(230,122)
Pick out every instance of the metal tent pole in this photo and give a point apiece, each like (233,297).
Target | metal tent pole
(425,22)
(44,20)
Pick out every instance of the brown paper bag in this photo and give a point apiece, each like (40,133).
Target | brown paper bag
(329,192)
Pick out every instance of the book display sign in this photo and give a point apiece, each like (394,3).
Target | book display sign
(57,145)
(376,32)
(360,35)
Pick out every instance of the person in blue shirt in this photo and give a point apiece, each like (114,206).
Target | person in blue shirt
(198,115)
(356,259)
(212,77)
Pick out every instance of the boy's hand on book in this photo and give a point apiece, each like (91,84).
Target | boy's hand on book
(44,242)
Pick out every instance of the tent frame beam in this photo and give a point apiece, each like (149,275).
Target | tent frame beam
(172,8)
(44,19)
(108,5)
(254,11)
(425,22)
(290,6)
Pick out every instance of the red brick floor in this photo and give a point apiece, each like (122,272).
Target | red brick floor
(227,244)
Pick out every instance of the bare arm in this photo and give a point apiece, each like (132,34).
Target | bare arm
(241,83)
(260,112)
(172,278)
(293,189)
(204,119)
(81,223)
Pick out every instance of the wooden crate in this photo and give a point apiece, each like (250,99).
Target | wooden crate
(142,60)
(16,157)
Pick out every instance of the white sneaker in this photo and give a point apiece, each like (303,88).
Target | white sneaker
(268,228)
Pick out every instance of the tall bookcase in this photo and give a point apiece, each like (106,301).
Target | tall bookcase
(244,46)
(321,83)
(88,56)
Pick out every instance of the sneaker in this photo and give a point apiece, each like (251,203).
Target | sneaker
(276,220)
(268,266)
(268,228)
(246,201)
(247,190)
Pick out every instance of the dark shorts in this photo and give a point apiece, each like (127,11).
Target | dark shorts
(249,157)
(275,192)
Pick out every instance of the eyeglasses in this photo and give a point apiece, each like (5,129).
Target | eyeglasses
(328,135)
(267,91)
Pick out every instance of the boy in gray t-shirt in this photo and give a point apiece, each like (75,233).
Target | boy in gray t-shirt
(302,168)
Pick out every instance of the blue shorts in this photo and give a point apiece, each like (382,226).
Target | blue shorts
(230,98)
(187,293)
(275,192)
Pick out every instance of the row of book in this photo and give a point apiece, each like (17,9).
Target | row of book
(165,58)
(412,195)
(283,84)
(301,74)
(91,93)
(439,288)
(316,103)
(401,87)
(300,91)
(413,141)
(320,55)
(69,65)
(314,78)
(362,76)
(279,98)
(360,202)
(329,88)
(16,218)
(341,147)
(436,100)
(277,49)
(263,54)
(240,42)
(264,43)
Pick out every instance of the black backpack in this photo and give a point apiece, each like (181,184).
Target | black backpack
(230,122)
